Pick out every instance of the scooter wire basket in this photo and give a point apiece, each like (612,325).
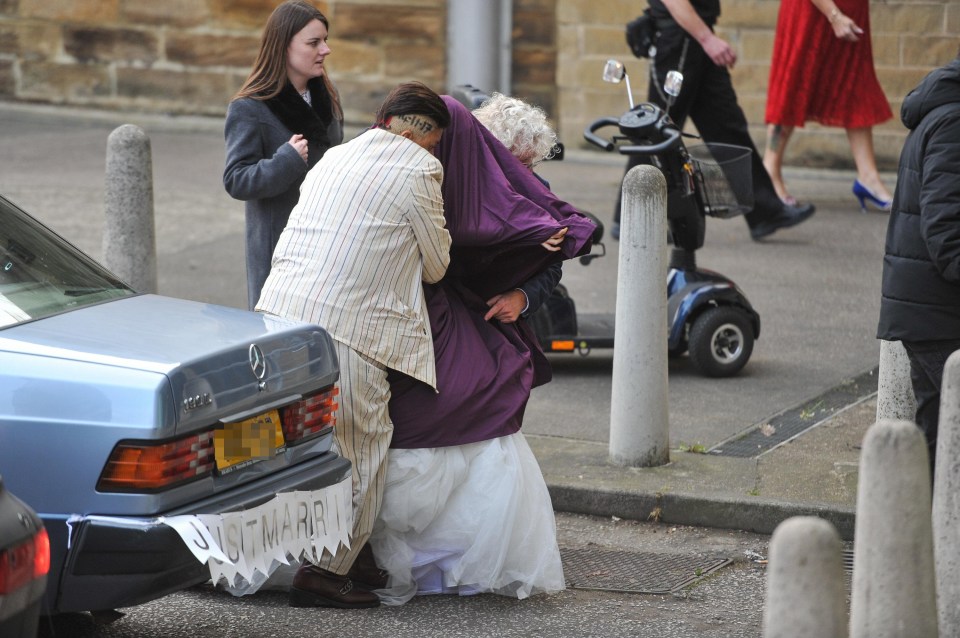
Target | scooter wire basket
(724,178)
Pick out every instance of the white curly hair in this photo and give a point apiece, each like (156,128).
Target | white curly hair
(523,128)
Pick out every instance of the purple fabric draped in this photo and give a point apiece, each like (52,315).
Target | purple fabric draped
(498,214)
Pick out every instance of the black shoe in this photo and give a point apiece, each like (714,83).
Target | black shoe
(784,218)
(365,573)
(315,587)
(615,230)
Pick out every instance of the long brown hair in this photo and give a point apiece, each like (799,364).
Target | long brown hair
(269,74)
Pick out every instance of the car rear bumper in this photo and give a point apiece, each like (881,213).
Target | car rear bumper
(112,563)
(20,611)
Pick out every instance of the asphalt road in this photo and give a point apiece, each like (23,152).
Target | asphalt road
(727,603)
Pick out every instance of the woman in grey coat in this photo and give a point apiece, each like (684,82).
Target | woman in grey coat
(279,124)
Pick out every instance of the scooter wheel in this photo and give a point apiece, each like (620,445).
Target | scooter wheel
(721,341)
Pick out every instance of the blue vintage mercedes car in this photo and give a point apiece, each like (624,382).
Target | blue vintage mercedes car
(120,411)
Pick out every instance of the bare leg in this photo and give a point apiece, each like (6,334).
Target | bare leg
(861,146)
(777,138)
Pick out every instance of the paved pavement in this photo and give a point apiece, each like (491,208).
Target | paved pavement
(803,402)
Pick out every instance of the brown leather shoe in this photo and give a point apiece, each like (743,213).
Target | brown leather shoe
(365,573)
(315,587)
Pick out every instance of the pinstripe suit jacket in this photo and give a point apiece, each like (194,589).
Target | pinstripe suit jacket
(367,231)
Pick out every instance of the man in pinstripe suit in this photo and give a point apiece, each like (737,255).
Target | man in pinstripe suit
(367,231)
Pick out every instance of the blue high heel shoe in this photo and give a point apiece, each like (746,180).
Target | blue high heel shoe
(864,194)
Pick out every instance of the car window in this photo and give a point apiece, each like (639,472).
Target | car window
(41,274)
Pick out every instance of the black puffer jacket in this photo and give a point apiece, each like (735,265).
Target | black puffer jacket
(921,268)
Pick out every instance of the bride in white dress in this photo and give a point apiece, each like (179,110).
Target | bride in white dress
(476,517)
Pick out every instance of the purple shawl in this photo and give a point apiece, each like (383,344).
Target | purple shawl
(498,214)
(497,211)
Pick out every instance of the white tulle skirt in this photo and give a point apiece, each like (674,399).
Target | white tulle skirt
(467,519)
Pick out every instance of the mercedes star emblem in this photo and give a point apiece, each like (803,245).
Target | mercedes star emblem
(257,362)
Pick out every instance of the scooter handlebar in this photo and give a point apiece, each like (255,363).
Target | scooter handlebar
(673,136)
(590,135)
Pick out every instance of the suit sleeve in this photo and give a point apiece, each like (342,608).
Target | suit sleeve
(428,223)
(249,173)
(940,198)
(539,287)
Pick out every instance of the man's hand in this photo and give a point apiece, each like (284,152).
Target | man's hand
(553,244)
(686,16)
(506,307)
(719,51)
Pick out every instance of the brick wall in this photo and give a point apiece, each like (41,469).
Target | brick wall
(910,37)
(190,56)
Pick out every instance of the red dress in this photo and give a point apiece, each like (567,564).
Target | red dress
(816,76)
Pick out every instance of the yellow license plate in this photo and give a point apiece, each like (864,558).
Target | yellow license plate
(244,442)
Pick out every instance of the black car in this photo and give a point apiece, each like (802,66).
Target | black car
(24,563)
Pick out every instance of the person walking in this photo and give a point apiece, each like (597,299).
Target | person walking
(822,70)
(367,231)
(278,126)
(920,303)
(686,43)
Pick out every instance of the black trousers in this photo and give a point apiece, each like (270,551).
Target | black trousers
(707,97)
(927,360)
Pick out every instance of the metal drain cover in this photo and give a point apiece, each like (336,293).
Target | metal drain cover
(641,573)
(795,421)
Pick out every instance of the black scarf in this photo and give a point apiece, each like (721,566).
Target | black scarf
(309,120)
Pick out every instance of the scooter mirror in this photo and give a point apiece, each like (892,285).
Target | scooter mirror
(671,86)
(613,71)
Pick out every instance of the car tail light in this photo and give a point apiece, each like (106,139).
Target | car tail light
(41,557)
(24,563)
(153,466)
(308,416)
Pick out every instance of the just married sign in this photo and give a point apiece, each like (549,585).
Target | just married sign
(289,527)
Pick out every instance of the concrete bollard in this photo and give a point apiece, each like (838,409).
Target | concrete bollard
(805,581)
(129,241)
(946,500)
(893,575)
(895,400)
(639,425)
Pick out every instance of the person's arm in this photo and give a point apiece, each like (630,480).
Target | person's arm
(523,301)
(940,199)
(843,27)
(539,287)
(429,224)
(718,49)
(507,306)
(248,174)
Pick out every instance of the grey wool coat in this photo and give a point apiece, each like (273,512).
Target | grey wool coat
(264,171)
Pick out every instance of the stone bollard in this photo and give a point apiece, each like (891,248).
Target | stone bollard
(893,578)
(129,242)
(805,581)
(946,500)
(895,398)
(639,427)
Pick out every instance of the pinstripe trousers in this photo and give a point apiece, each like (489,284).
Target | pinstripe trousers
(362,434)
